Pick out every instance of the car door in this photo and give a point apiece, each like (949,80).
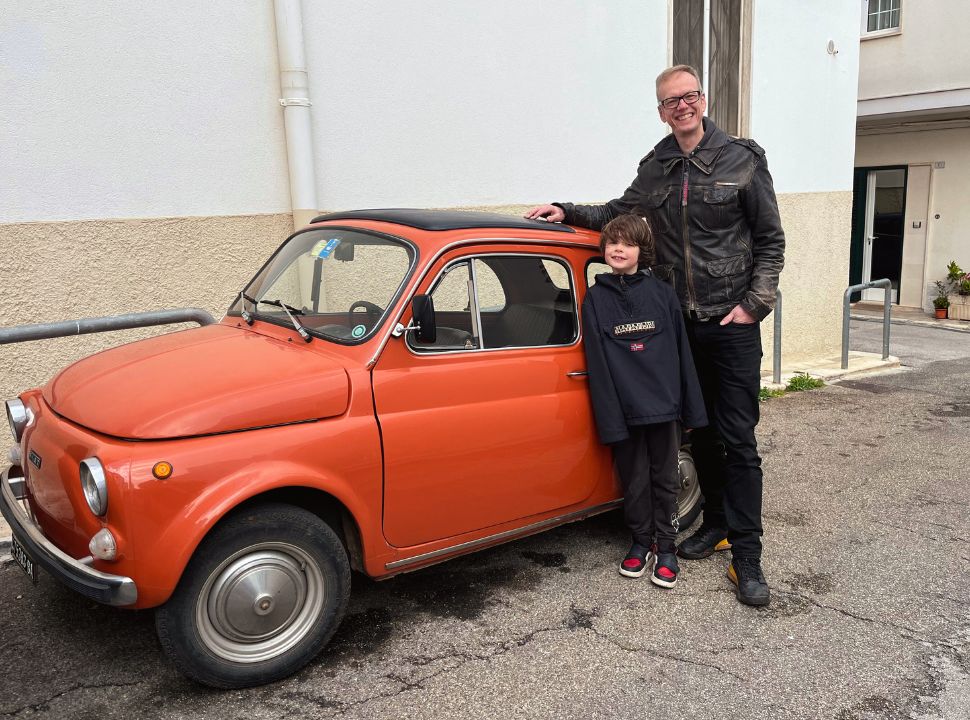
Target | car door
(491,423)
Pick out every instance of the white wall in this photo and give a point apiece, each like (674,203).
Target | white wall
(114,109)
(803,99)
(439,103)
(930,54)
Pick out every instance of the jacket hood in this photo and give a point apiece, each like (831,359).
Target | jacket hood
(202,381)
(668,152)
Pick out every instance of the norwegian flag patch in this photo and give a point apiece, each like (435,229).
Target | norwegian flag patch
(636,347)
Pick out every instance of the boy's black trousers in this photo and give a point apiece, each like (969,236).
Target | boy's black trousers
(647,463)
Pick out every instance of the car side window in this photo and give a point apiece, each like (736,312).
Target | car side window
(503,301)
(456,327)
(594,268)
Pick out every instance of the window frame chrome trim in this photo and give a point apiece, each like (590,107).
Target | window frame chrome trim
(470,259)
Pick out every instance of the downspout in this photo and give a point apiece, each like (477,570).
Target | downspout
(296,110)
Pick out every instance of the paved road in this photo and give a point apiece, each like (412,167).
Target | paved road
(868,549)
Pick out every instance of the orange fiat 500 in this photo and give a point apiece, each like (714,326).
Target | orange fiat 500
(394,388)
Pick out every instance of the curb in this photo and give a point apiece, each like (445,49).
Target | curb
(950,326)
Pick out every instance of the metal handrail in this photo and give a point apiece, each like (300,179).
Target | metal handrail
(776,341)
(886,285)
(45,331)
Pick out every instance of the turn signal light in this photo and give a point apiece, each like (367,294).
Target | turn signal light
(162,470)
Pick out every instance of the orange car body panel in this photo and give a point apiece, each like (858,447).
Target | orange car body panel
(382,429)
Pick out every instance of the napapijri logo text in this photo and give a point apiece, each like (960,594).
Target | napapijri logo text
(629,328)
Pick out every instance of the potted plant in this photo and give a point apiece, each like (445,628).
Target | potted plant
(959,286)
(941,302)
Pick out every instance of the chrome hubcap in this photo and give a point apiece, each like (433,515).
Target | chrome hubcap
(690,488)
(260,602)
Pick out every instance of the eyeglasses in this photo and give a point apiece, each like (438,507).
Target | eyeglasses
(690,98)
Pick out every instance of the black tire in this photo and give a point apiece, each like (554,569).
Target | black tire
(262,595)
(690,500)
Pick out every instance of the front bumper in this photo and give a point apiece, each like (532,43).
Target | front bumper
(91,583)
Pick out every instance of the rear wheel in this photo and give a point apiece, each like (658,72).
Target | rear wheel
(260,598)
(690,500)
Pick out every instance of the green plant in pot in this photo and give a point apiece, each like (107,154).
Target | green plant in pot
(958,280)
(941,302)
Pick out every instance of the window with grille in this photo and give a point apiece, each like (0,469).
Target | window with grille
(881,16)
(710,36)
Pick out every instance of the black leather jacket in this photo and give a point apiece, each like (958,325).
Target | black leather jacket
(715,218)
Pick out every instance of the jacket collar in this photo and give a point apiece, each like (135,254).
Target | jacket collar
(703,157)
(612,280)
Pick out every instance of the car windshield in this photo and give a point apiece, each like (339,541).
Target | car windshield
(341,282)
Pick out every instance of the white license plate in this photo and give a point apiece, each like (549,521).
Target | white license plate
(23,559)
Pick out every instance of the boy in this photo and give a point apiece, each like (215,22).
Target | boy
(643,384)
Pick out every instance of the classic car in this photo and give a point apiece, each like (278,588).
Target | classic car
(392,389)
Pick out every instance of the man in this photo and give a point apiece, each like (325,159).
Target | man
(710,200)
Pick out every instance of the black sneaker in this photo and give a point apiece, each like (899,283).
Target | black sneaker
(704,542)
(745,573)
(638,560)
(665,571)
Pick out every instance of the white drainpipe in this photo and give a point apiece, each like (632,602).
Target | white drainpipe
(296,110)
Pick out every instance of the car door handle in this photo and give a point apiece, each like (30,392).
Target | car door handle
(577,373)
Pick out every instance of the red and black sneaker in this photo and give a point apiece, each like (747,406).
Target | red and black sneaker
(665,571)
(638,560)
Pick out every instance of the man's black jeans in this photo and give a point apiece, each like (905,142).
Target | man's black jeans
(728,361)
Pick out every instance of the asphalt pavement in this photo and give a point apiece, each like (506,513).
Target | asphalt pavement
(867,549)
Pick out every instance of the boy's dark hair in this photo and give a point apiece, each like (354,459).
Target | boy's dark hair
(631,230)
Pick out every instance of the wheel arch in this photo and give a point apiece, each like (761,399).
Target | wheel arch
(180,540)
(325,506)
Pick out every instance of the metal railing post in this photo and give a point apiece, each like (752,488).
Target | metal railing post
(45,331)
(886,285)
(776,341)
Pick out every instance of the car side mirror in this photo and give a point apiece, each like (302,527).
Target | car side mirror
(422,307)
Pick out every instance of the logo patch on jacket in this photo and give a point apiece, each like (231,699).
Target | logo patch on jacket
(636,347)
(631,328)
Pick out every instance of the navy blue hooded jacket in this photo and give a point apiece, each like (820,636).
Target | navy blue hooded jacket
(640,367)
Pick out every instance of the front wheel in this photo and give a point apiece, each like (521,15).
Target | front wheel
(260,598)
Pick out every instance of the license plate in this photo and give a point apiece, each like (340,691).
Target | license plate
(23,559)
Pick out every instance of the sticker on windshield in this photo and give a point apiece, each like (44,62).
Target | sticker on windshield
(358,331)
(324,248)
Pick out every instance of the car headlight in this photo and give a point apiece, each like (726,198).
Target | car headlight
(17,418)
(95,485)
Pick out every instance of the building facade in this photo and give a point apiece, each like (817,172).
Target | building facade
(912,156)
(148,161)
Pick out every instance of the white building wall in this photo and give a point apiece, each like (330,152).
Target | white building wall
(158,125)
(438,103)
(931,53)
(115,109)
(803,98)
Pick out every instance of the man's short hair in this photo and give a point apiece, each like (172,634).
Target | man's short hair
(689,69)
(631,230)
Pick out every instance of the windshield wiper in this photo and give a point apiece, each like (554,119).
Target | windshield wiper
(290,312)
(288,309)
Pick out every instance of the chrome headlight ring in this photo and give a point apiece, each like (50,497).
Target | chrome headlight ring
(94,483)
(17,417)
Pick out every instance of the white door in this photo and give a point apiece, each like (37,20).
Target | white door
(883,241)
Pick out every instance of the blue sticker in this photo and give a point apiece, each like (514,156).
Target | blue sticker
(323,249)
(358,331)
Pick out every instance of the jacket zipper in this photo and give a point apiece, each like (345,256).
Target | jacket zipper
(691,303)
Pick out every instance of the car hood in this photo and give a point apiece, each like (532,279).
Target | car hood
(202,381)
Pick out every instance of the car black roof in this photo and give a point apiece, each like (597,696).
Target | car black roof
(445,219)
